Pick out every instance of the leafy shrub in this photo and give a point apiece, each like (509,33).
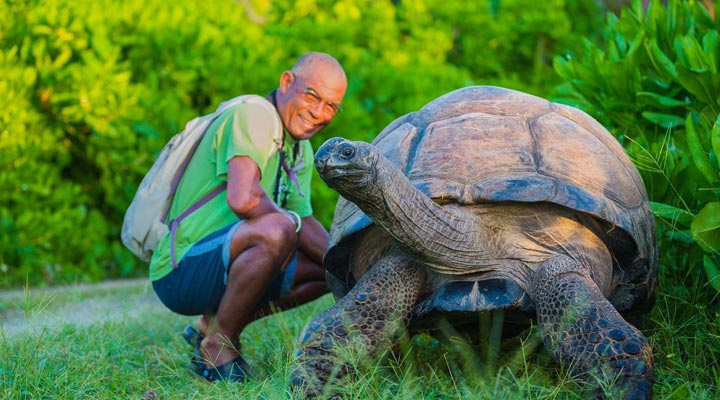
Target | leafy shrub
(512,42)
(655,83)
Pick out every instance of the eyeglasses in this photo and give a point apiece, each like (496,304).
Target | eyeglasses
(313,98)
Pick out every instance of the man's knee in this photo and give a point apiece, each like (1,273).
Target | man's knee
(272,231)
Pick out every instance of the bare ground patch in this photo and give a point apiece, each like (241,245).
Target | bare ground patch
(37,310)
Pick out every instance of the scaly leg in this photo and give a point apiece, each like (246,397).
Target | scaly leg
(584,331)
(367,318)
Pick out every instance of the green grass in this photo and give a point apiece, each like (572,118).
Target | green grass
(119,342)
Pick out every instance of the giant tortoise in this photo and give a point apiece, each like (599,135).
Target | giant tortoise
(487,199)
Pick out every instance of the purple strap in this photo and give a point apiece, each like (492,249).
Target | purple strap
(181,170)
(176,222)
(292,173)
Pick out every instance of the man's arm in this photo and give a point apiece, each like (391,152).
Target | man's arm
(248,200)
(245,196)
(313,239)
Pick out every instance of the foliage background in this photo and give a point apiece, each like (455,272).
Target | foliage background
(91,91)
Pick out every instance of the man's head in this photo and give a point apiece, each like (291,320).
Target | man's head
(310,94)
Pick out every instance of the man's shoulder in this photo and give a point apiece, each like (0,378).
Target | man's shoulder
(253,114)
(251,104)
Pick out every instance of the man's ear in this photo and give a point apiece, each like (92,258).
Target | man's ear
(286,79)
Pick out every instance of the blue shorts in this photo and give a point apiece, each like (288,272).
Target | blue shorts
(197,285)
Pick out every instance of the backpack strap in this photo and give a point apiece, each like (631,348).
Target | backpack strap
(176,222)
(181,171)
(173,189)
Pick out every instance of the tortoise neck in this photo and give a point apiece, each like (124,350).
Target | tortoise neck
(420,226)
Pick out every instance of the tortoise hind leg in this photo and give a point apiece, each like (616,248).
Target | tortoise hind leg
(584,331)
(366,318)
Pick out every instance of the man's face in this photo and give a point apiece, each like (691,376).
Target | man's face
(308,104)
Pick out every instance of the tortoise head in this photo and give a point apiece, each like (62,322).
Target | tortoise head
(346,166)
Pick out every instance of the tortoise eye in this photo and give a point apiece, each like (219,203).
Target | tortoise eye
(347,152)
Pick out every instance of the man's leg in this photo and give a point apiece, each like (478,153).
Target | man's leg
(259,249)
(308,284)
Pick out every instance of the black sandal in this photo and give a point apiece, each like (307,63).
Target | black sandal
(192,336)
(235,370)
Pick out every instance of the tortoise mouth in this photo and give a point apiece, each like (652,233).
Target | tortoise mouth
(332,174)
(342,174)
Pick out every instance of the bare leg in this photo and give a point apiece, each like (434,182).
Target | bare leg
(259,249)
(308,284)
(584,331)
(369,315)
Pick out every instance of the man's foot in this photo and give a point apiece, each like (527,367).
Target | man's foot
(236,370)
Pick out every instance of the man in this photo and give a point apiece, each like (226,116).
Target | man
(258,243)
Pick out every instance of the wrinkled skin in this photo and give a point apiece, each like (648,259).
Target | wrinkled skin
(579,326)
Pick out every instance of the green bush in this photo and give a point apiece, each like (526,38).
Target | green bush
(512,42)
(655,83)
(94,89)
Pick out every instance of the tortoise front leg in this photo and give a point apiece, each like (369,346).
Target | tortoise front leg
(584,331)
(366,318)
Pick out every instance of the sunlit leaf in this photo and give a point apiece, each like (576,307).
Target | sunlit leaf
(705,227)
(691,54)
(672,213)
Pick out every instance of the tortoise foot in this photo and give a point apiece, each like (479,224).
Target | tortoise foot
(584,331)
(317,356)
(360,324)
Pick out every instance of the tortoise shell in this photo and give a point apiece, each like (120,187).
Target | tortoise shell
(488,144)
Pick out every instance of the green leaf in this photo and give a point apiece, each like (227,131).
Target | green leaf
(701,84)
(712,271)
(662,63)
(699,156)
(711,47)
(691,54)
(635,45)
(561,67)
(715,139)
(658,100)
(705,227)
(672,213)
(683,236)
(665,120)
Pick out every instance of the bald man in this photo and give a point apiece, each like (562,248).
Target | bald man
(259,243)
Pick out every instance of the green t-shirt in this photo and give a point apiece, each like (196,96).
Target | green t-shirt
(243,130)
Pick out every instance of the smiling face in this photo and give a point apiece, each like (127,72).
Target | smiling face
(308,98)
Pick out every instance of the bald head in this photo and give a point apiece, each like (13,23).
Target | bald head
(315,60)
